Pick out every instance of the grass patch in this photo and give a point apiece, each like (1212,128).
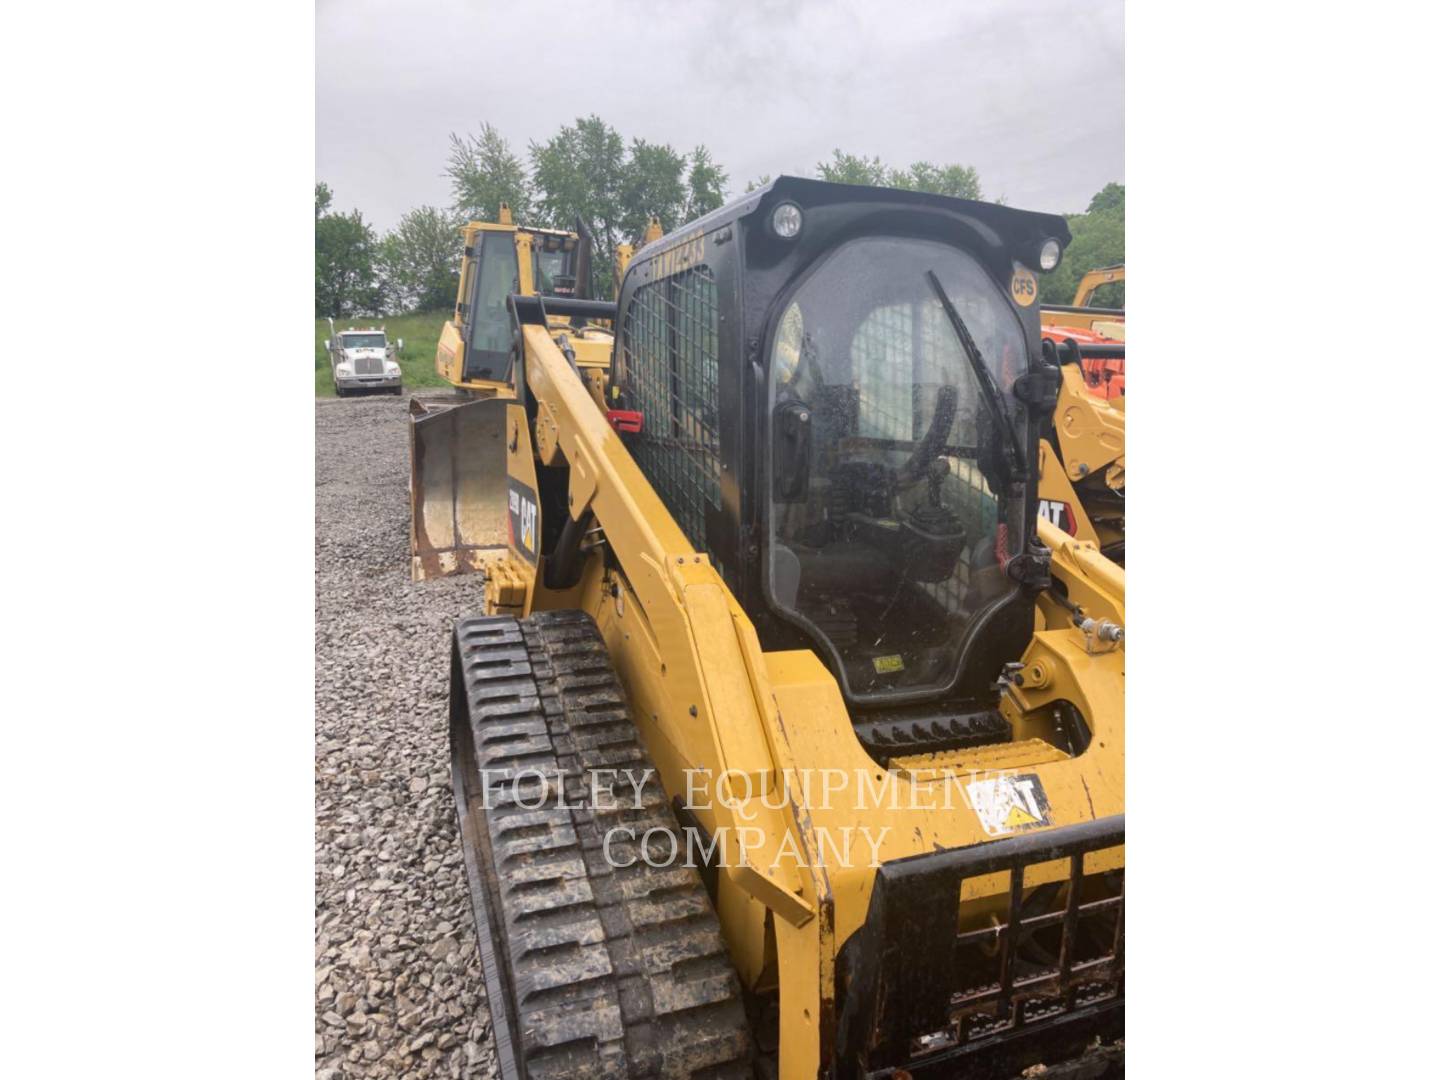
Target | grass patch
(421,332)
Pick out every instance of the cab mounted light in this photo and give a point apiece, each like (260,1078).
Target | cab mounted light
(785,220)
(1049,254)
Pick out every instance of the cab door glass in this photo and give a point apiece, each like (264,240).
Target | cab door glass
(497,278)
(884,518)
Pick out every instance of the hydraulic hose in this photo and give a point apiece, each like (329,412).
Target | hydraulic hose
(562,570)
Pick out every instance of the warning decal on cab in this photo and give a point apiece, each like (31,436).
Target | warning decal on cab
(1009,804)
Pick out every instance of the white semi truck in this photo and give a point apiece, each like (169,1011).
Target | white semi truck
(363,360)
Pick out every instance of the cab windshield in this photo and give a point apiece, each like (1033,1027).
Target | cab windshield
(554,272)
(363,341)
(884,525)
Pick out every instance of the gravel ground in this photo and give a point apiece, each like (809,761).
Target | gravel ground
(398,989)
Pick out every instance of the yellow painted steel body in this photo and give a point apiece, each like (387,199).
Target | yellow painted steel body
(709,700)
(1089,460)
(1092,280)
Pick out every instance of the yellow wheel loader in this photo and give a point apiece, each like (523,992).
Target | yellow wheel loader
(789,740)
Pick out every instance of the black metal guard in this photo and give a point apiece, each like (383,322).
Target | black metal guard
(535,309)
(1039,960)
(1071,351)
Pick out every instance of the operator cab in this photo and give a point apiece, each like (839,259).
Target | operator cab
(553,261)
(885,531)
(855,441)
(552,268)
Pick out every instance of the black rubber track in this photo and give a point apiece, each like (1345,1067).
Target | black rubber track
(592,970)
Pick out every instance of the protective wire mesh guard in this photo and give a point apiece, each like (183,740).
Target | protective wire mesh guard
(669,373)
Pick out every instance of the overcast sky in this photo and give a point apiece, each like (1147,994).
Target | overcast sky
(1030,93)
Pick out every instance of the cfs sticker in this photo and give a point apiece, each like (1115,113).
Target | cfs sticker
(888,665)
(1059,514)
(524,520)
(1023,287)
(1009,804)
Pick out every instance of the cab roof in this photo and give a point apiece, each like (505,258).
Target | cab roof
(1021,231)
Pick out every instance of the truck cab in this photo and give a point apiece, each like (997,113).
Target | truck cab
(363,360)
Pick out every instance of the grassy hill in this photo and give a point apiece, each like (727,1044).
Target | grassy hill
(421,332)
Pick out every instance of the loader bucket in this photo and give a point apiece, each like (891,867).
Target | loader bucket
(458,513)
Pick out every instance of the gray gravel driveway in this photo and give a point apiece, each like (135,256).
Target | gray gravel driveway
(398,990)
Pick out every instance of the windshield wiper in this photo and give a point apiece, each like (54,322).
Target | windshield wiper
(1016,454)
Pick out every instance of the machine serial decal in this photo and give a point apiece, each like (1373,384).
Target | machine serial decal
(524,517)
(687,253)
(1058,514)
(1023,287)
(1009,804)
(887,665)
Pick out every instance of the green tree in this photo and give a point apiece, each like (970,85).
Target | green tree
(706,184)
(851,169)
(484,172)
(420,261)
(957,181)
(586,170)
(1097,239)
(345,257)
(652,182)
(580,172)
(1110,197)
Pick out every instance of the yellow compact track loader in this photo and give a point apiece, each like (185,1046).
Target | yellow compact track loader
(789,740)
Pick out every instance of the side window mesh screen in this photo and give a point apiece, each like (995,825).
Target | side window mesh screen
(669,373)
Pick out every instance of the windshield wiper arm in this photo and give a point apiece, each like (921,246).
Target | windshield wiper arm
(988,389)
